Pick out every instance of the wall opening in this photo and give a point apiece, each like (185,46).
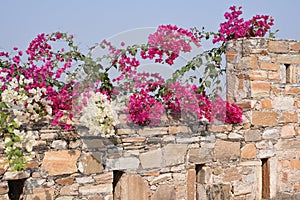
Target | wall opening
(200,180)
(265,178)
(16,189)
(116,178)
(288,75)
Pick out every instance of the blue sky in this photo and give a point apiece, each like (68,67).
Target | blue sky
(93,20)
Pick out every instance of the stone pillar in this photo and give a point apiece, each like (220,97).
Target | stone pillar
(263,77)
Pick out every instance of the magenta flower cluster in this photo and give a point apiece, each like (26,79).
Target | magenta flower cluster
(44,67)
(236,27)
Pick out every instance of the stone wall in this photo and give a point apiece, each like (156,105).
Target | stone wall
(259,158)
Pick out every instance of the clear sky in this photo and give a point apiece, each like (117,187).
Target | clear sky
(93,20)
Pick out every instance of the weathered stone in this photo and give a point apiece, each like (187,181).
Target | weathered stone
(59,144)
(191,180)
(231,174)
(287,59)
(187,140)
(88,189)
(174,154)
(289,117)
(60,162)
(134,139)
(218,192)
(16,175)
(93,143)
(234,136)
(65,181)
(242,189)
(165,192)
(90,165)
(153,131)
(248,151)
(288,131)
(283,103)
(264,118)
(65,198)
(220,128)
(179,129)
(48,136)
(123,163)
(260,88)
(265,153)
(295,164)
(265,144)
(252,136)
(225,151)
(131,187)
(151,159)
(41,194)
(69,189)
(269,66)
(161,178)
(122,131)
(199,156)
(258,75)
(84,180)
(271,134)
(278,47)
(104,178)
(293,145)
(204,175)
(3,187)
(201,192)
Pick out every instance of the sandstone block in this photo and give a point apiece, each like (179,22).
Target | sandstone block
(199,156)
(269,66)
(258,75)
(252,136)
(288,131)
(260,88)
(104,178)
(288,59)
(283,103)
(60,162)
(248,151)
(231,174)
(174,154)
(265,153)
(151,159)
(296,46)
(191,180)
(90,165)
(179,129)
(225,151)
(65,181)
(264,118)
(95,189)
(292,90)
(123,163)
(271,134)
(266,103)
(278,47)
(41,193)
(166,192)
(3,187)
(131,187)
(69,189)
(295,164)
(289,117)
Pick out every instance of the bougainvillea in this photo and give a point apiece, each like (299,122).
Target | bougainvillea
(65,85)
(236,27)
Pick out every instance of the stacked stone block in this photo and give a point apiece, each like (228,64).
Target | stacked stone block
(177,160)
